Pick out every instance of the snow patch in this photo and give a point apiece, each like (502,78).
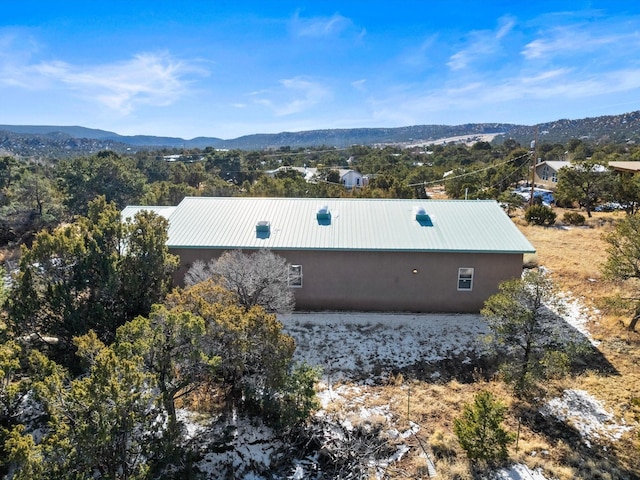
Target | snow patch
(586,414)
(350,345)
(518,471)
(576,314)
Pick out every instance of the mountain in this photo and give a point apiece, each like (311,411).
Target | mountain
(330,137)
(63,141)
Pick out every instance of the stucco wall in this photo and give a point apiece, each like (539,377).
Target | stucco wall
(548,183)
(385,281)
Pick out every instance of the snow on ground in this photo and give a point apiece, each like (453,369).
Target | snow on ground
(360,348)
(352,345)
(244,448)
(518,472)
(587,415)
(578,316)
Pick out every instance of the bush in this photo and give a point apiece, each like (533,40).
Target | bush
(573,218)
(296,399)
(479,429)
(540,215)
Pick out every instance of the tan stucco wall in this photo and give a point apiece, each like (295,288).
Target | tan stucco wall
(549,183)
(384,281)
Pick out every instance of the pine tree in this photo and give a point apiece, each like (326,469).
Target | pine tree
(479,429)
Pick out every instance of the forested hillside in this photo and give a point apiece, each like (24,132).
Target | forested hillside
(62,141)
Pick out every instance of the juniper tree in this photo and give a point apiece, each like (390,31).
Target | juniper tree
(623,261)
(93,274)
(479,429)
(521,318)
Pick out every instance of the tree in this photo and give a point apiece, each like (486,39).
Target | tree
(297,399)
(29,200)
(4,294)
(540,215)
(510,201)
(463,184)
(258,278)
(627,191)
(255,354)
(623,261)
(146,266)
(94,274)
(101,424)
(479,429)
(584,182)
(171,346)
(521,319)
(116,178)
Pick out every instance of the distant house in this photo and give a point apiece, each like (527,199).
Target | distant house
(546,173)
(361,254)
(348,178)
(625,167)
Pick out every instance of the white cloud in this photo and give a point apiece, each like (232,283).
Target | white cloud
(16,50)
(320,26)
(146,79)
(482,99)
(419,57)
(482,43)
(580,39)
(297,95)
(359,84)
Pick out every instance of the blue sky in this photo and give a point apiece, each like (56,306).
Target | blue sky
(226,69)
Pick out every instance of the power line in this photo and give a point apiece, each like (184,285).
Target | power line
(433,182)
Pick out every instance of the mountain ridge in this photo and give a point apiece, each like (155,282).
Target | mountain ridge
(30,139)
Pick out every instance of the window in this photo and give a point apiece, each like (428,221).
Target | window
(554,177)
(295,276)
(545,172)
(465,279)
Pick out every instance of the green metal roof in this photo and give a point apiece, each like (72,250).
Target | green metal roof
(352,224)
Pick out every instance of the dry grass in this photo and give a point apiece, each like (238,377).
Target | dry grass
(574,256)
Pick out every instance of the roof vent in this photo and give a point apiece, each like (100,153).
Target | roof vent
(422,217)
(323,215)
(263,229)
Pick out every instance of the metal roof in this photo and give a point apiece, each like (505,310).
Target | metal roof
(628,166)
(354,224)
(556,164)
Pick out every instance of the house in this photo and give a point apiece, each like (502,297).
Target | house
(348,178)
(625,167)
(546,173)
(351,179)
(361,254)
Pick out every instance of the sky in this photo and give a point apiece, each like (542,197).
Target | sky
(225,69)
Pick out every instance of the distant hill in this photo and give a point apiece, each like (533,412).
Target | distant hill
(64,141)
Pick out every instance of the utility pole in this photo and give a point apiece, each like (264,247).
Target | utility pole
(534,160)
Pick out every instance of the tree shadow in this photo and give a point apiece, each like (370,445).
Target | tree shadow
(583,351)
(591,458)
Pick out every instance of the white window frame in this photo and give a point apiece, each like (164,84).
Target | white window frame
(465,274)
(295,276)
(545,173)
